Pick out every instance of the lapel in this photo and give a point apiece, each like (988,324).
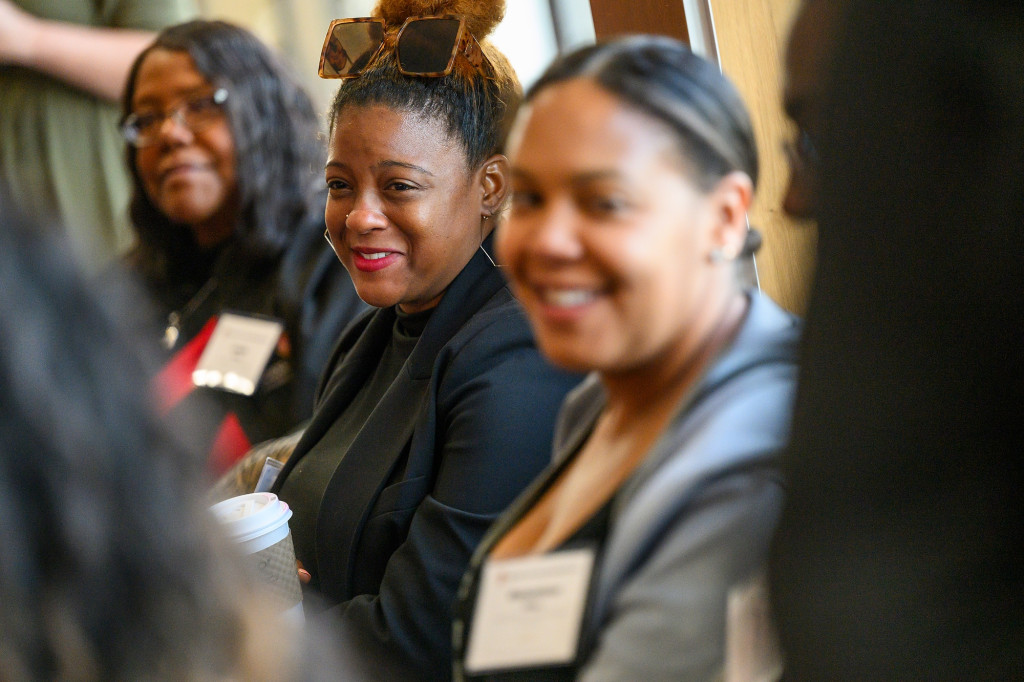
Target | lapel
(581,409)
(478,282)
(386,435)
(769,335)
(358,353)
(676,467)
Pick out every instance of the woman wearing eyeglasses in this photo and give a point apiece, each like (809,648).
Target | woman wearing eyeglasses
(437,408)
(633,165)
(223,152)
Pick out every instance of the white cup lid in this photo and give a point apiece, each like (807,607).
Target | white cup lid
(249,516)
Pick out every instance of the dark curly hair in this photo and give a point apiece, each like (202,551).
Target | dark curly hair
(110,568)
(474,110)
(278,154)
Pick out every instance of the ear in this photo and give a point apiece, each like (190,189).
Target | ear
(731,199)
(494,185)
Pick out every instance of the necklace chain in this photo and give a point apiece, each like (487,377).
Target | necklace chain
(173,330)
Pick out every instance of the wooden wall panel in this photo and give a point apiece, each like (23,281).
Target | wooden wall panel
(663,17)
(751,39)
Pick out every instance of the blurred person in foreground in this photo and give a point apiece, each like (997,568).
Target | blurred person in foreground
(224,153)
(63,65)
(111,568)
(809,51)
(436,408)
(633,167)
(898,554)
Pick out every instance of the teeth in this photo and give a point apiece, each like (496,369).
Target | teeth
(375,256)
(567,298)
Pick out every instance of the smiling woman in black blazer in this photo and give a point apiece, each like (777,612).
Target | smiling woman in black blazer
(436,409)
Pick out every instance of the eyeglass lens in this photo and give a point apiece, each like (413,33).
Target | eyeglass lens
(428,45)
(196,114)
(351,46)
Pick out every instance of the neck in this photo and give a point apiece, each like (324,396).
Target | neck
(656,386)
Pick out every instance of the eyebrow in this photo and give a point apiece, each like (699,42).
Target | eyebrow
(384,164)
(577,179)
(402,164)
(152,99)
(595,176)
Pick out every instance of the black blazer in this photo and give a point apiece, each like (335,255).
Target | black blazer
(463,429)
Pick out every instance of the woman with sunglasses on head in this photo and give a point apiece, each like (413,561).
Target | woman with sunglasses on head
(437,409)
(633,165)
(223,152)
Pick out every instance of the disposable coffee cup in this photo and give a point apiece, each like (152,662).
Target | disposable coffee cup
(258,523)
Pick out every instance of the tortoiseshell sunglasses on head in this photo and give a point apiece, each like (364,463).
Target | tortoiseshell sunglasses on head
(424,46)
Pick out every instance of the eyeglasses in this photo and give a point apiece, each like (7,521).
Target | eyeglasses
(425,46)
(142,129)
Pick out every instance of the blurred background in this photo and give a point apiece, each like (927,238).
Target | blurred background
(531,34)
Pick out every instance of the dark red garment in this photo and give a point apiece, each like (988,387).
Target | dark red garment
(174,383)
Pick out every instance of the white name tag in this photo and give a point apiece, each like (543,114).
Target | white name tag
(237,353)
(529,611)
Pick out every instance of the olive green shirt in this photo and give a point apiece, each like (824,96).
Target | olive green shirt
(60,150)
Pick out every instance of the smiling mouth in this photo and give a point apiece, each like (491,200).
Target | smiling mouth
(183,169)
(372,261)
(567,298)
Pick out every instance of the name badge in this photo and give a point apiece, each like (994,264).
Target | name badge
(529,611)
(237,353)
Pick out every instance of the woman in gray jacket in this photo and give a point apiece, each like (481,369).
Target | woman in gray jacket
(633,166)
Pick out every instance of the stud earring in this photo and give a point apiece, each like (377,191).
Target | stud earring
(716,256)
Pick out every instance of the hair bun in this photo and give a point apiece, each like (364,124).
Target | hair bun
(482,16)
